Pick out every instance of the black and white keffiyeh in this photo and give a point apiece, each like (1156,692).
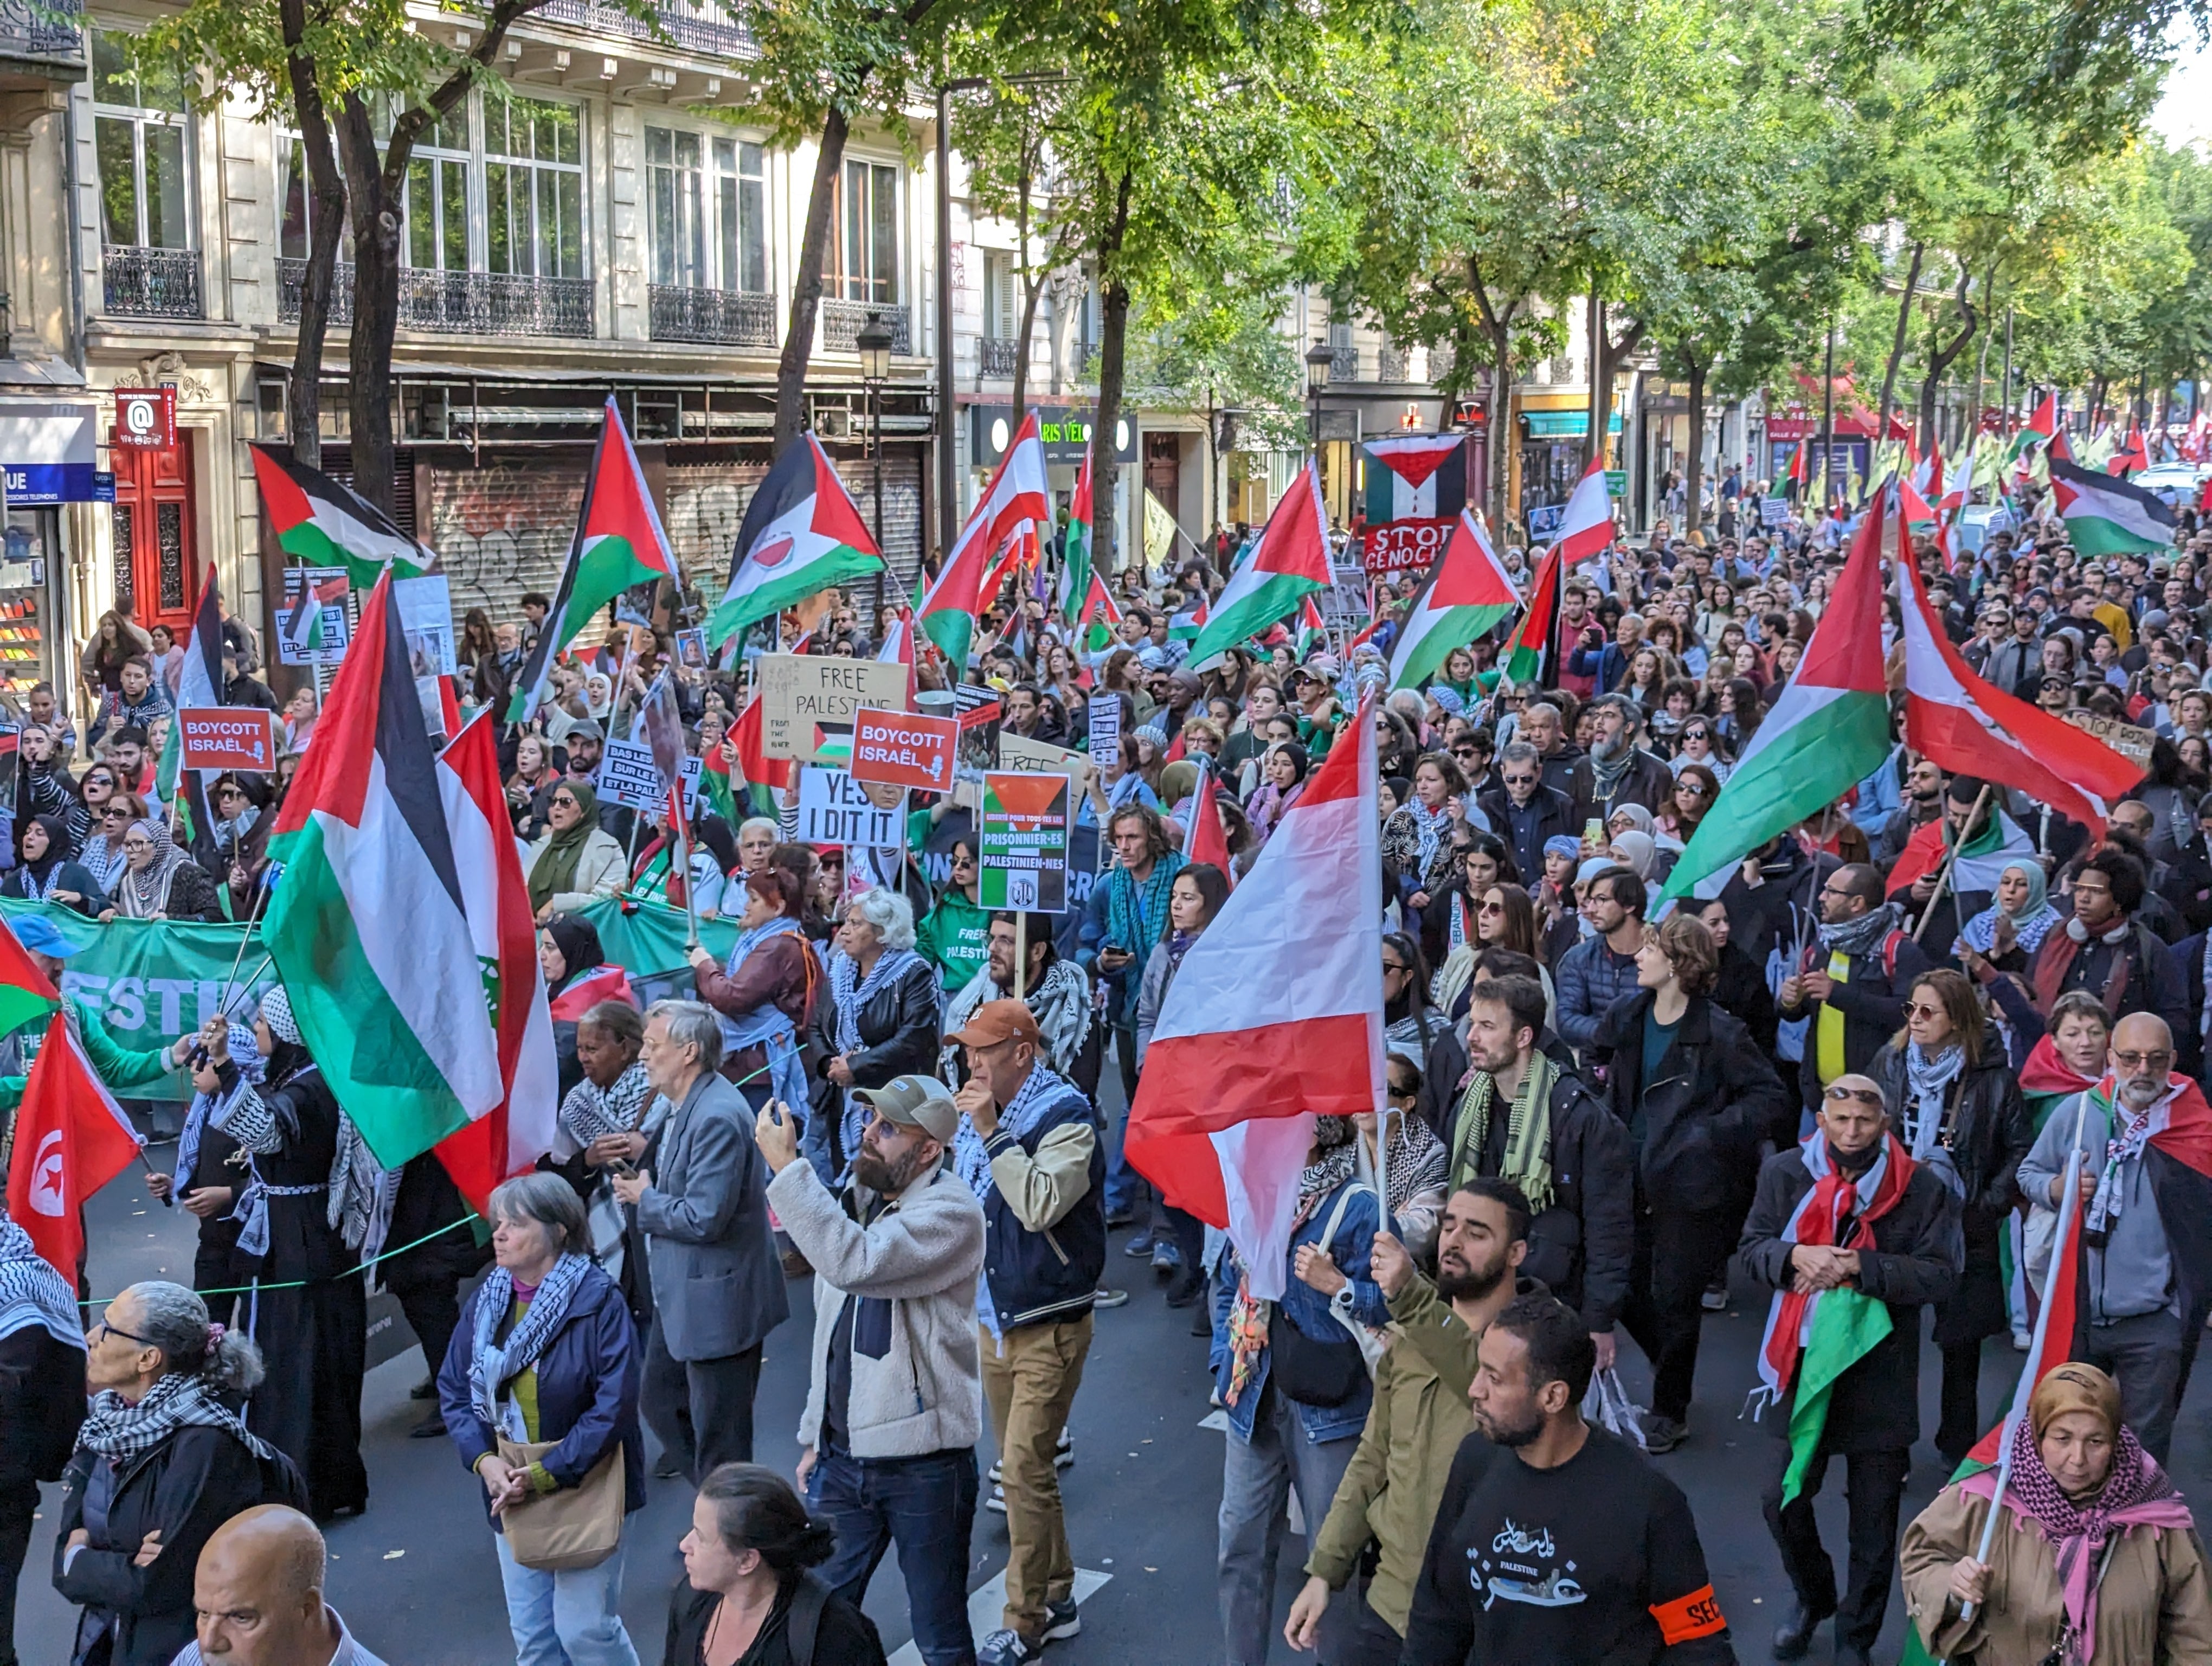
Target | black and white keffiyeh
(591,1112)
(31,1292)
(116,1429)
(492,1367)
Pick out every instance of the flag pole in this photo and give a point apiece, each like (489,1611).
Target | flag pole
(680,824)
(253,915)
(1950,861)
(2062,1246)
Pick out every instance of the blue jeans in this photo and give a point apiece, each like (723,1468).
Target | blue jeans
(573,1617)
(927,1507)
(1126,1190)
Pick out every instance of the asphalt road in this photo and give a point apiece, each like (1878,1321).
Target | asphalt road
(417,1578)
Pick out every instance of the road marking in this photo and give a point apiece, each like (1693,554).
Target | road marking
(987,1606)
(1218,1421)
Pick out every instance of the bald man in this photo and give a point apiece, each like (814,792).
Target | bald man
(258,1589)
(1859,1231)
(2146,1220)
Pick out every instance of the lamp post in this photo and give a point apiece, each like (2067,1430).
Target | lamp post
(1318,359)
(873,343)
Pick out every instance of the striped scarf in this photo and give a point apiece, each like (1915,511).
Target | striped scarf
(851,994)
(120,1431)
(1038,1094)
(1528,1131)
(492,1367)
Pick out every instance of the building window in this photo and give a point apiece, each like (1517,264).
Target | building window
(437,196)
(533,188)
(709,231)
(675,172)
(138,133)
(865,260)
(295,200)
(1002,297)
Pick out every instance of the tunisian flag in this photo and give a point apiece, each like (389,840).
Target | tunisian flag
(1275,1017)
(71,1138)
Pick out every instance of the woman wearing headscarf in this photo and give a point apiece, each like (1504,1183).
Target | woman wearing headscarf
(241,804)
(1959,1111)
(577,974)
(159,881)
(44,874)
(160,1456)
(1284,767)
(2099,1560)
(763,993)
(102,854)
(2012,929)
(575,861)
(306,1308)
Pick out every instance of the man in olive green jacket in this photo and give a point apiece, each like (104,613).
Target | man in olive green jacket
(1391,1487)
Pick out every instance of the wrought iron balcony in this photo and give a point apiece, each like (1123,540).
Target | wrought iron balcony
(703,26)
(142,283)
(843,321)
(457,303)
(1343,364)
(999,357)
(1390,364)
(730,318)
(43,33)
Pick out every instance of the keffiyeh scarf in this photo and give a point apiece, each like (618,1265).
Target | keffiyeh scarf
(591,1112)
(1860,935)
(1927,1084)
(1527,1160)
(1059,1002)
(852,992)
(1249,1315)
(244,1053)
(1429,826)
(146,890)
(491,1367)
(121,1432)
(1020,1117)
(31,1292)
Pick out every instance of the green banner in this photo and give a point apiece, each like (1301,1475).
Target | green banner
(151,981)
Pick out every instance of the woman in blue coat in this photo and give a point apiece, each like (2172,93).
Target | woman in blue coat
(546,1351)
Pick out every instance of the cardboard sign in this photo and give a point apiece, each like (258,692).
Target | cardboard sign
(904,749)
(628,774)
(2130,742)
(976,702)
(835,809)
(321,638)
(1391,547)
(1105,711)
(145,417)
(807,702)
(1024,831)
(1773,511)
(227,737)
(1037,757)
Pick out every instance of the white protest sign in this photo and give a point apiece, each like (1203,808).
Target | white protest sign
(628,775)
(834,809)
(1105,727)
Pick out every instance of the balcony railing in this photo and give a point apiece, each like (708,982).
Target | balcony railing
(702,26)
(999,357)
(1390,364)
(141,283)
(730,318)
(1343,364)
(41,30)
(843,321)
(457,303)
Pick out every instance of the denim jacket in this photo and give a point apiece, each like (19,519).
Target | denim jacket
(1309,1310)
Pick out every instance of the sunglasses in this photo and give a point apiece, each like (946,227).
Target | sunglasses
(1696,789)
(1395,966)
(1839,1094)
(2137,1060)
(1520,780)
(1921,1009)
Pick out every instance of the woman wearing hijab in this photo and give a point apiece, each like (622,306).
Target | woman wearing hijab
(240,803)
(101,853)
(763,993)
(575,861)
(1959,1111)
(2012,929)
(159,881)
(2101,1560)
(44,874)
(307,1309)
(577,978)
(1285,767)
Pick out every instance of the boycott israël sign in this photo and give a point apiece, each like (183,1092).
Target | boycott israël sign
(904,749)
(227,737)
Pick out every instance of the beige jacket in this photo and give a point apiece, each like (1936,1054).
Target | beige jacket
(599,870)
(2155,1606)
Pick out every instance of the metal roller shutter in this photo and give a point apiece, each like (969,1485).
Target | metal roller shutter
(503,529)
(706,506)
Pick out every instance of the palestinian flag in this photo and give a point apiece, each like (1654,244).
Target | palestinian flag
(2133,454)
(1825,735)
(1800,469)
(1100,614)
(602,983)
(1312,631)
(1408,480)
(1289,563)
(200,684)
(304,628)
(1522,662)
(1184,627)
(618,542)
(802,534)
(323,524)
(715,785)
(1468,592)
(1076,579)
(370,929)
(2107,516)
(766,776)
(1019,492)
(1998,843)
(2039,429)
(26,994)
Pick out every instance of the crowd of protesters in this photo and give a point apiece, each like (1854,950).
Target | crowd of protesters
(1857,1067)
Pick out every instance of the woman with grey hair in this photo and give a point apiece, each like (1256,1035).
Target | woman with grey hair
(880,1021)
(539,1391)
(161,1462)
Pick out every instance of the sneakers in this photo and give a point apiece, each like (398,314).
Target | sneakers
(996,1503)
(1063,1456)
(1715,1300)
(1005,1648)
(1106,1298)
(1060,1620)
(1166,1258)
(1662,1434)
(1139,1246)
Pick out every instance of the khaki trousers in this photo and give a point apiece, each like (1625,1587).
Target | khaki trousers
(1030,1381)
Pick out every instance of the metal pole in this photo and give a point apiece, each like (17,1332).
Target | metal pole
(948,507)
(2005,430)
(1828,419)
(876,447)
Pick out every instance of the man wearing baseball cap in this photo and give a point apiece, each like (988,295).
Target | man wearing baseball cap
(1028,1147)
(893,1402)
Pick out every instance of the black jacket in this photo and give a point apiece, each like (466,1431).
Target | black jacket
(1740,991)
(1770,913)
(1647,781)
(2187,884)
(1871,1001)
(899,1037)
(842,1637)
(1913,1259)
(185,1488)
(2135,975)
(41,1404)
(1715,1100)
(1553,816)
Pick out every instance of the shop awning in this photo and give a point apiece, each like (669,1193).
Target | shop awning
(1563,424)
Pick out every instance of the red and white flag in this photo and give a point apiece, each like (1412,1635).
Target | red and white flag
(71,1138)
(1228,1146)
(1586,529)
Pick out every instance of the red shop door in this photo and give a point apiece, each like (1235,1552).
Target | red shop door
(157,559)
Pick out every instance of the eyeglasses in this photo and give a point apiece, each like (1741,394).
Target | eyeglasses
(103,1330)
(2138,1060)
(1398,966)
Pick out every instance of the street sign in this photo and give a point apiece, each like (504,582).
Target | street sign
(904,749)
(1023,831)
(146,416)
(227,737)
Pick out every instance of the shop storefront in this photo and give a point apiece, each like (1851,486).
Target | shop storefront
(47,450)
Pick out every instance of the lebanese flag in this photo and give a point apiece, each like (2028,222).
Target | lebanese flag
(1018,491)
(323,524)
(2132,455)
(1228,1144)
(1586,528)
(1972,728)
(71,1138)
(510,1139)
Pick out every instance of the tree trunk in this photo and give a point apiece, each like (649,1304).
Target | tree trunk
(303,402)
(1694,475)
(1113,331)
(806,284)
(376,302)
(1941,358)
(1498,334)
(1897,344)
(1032,293)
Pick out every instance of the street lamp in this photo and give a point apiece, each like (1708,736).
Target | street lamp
(873,343)
(1319,357)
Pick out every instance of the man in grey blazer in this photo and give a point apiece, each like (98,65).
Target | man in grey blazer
(717,1284)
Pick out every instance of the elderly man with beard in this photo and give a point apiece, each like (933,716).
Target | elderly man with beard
(894,1404)
(1420,1417)
(1616,770)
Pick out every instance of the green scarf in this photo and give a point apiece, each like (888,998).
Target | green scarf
(554,870)
(1528,1132)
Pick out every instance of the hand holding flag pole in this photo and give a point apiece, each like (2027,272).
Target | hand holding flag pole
(1950,861)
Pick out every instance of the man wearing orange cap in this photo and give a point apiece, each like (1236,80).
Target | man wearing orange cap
(1028,1147)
